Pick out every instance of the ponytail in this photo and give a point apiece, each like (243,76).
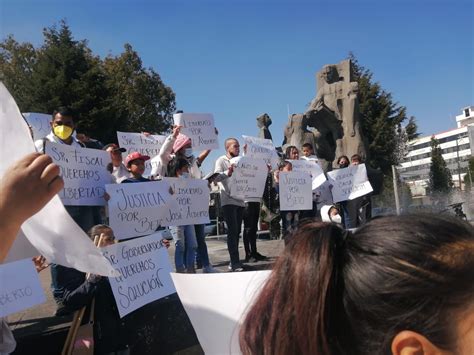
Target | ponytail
(300,309)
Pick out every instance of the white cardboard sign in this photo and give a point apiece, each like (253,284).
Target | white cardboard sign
(248,178)
(145,145)
(191,202)
(312,168)
(84,172)
(261,148)
(40,124)
(144,272)
(138,209)
(323,195)
(295,191)
(200,128)
(20,287)
(217,304)
(349,183)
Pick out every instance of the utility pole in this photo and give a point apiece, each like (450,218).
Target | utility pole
(395,190)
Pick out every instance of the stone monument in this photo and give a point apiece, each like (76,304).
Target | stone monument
(333,116)
(263,122)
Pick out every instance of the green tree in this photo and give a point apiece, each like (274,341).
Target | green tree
(16,68)
(440,176)
(108,95)
(142,102)
(381,119)
(68,74)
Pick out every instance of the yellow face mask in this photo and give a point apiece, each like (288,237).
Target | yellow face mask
(63,132)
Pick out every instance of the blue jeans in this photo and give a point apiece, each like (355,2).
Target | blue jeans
(185,240)
(201,244)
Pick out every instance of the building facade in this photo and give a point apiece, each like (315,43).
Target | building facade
(457,147)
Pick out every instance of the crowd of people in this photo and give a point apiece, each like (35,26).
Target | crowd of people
(400,285)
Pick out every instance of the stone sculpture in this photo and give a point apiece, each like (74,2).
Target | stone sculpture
(263,122)
(333,115)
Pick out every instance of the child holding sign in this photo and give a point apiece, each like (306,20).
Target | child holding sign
(290,219)
(111,334)
(135,163)
(184,236)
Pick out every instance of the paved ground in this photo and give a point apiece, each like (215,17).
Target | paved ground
(40,320)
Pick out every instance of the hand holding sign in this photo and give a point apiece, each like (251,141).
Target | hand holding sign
(84,172)
(295,191)
(349,183)
(199,127)
(144,269)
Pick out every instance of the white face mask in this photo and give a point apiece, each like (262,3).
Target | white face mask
(188,152)
(336,219)
(185,175)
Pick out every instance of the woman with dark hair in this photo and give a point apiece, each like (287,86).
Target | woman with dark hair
(343,161)
(398,285)
(292,153)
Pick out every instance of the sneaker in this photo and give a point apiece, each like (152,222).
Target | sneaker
(236,268)
(209,269)
(259,256)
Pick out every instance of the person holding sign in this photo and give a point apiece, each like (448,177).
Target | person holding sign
(117,168)
(179,146)
(233,209)
(62,128)
(135,163)
(290,219)
(111,334)
(184,236)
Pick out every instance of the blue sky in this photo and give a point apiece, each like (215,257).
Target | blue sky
(238,59)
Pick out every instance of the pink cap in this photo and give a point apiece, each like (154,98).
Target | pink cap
(180,142)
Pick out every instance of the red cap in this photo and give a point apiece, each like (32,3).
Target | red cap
(135,156)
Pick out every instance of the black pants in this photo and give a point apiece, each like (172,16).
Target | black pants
(251,215)
(233,218)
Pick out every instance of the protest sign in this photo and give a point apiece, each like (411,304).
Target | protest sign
(138,209)
(295,191)
(200,128)
(47,229)
(144,272)
(146,145)
(323,195)
(21,287)
(84,172)
(349,183)
(261,148)
(40,123)
(248,178)
(312,168)
(191,202)
(216,304)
